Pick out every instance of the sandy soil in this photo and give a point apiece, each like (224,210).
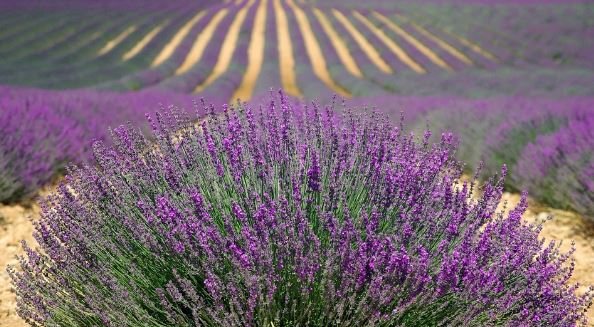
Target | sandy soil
(15,224)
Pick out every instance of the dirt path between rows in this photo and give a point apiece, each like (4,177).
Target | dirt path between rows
(15,225)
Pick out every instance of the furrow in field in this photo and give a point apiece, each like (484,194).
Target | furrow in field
(441,43)
(509,47)
(285,51)
(367,66)
(412,40)
(28,30)
(225,86)
(143,43)
(117,40)
(473,46)
(457,53)
(391,44)
(187,82)
(338,43)
(88,43)
(270,77)
(357,86)
(201,42)
(312,47)
(78,65)
(227,49)
(164,74)
(369,50)
(170,47)
(310,85)
(255,55)
(85,50)
(26,25)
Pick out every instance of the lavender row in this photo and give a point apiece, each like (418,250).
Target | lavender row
(546,143)
(43,131)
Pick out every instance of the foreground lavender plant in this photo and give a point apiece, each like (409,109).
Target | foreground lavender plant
(286,216)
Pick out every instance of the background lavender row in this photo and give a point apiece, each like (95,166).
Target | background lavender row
(42,131)
(546,143)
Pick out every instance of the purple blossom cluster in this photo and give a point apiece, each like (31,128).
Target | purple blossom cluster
(287,214)
(42,131)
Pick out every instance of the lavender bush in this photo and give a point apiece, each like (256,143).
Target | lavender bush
(286,216)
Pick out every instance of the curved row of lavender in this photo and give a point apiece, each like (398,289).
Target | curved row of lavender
(547,144)
(559,166)
(284,216)
(42,131)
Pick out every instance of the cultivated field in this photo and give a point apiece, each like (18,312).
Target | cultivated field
(513,82)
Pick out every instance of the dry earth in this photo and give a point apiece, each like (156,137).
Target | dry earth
(15,225)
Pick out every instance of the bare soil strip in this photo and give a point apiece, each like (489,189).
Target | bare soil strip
(170,47)
(201,43)
(285,52)
(413,41)
(391,44)
(142,43)
(367,48)
(350,64)
(117,40)
(473,46)
(440,43)
(448,47)
(227,49)
(315,54)
(255,55)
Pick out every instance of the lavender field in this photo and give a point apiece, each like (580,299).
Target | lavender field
(297,163)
